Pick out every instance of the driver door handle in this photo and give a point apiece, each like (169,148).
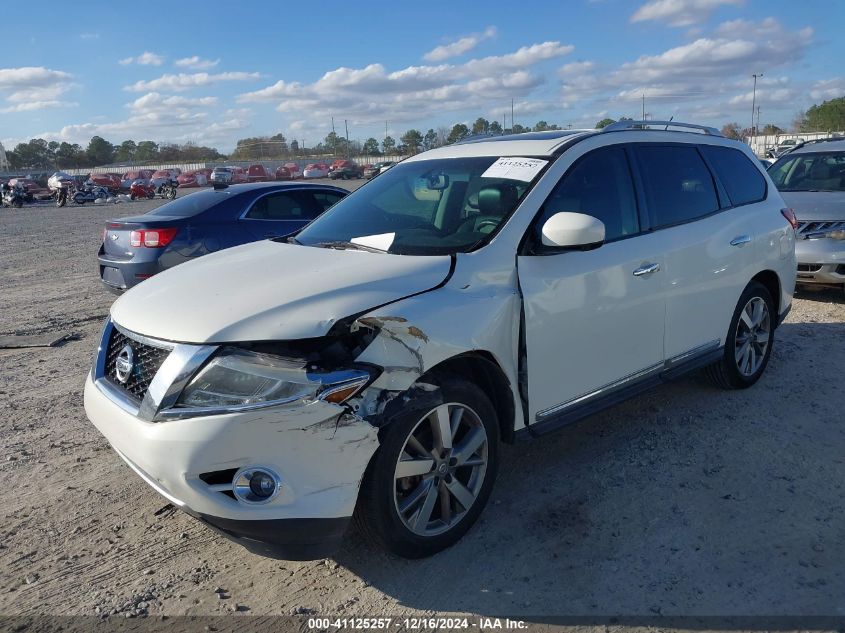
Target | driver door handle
(646,269)
(740,240)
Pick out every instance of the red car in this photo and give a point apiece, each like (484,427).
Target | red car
(32,188)
(112,182)
(238,175)
(196,178)
(257,173)
(288,171)
(137,174)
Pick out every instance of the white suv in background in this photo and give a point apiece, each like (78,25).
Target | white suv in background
(471,295)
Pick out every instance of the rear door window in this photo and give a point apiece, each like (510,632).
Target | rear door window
(279,206)
(677,183)
(740,177)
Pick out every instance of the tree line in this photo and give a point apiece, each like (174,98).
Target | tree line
(44,155)
(39,154)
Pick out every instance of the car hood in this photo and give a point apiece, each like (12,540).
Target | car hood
(816,206)
(271,291)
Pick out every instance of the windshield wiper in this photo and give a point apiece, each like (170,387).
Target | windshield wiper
(342,246)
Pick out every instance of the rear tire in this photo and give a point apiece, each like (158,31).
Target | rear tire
(749,343)
(419,514)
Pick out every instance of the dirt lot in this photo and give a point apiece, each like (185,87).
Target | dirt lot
(685,501)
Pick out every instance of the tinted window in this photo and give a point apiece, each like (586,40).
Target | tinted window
(326,199)
(818,171)
(279,206)
(741,178)
(598,185)
(677,183)
(192,204)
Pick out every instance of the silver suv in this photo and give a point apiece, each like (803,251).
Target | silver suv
(811,179)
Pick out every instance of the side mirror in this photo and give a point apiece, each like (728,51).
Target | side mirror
(573,230)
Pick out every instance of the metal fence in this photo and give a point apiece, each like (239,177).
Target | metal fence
(762,143)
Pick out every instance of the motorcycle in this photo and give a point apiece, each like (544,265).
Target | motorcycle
(139,189)
(13,196)
(61,185)
(90,194)
(168,189)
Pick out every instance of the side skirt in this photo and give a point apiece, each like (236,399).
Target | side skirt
(565,414)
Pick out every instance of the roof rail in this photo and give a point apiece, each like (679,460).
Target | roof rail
(815,140)
(642,125)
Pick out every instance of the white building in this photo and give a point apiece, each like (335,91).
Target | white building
(4,163)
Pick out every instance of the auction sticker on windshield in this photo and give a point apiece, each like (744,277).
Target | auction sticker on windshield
(515,168)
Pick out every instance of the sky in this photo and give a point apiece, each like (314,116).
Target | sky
(212,74)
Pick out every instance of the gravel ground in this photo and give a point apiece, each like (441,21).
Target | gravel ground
(684,501)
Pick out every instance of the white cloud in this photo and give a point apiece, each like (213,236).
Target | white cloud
(828,89)
(30,76)
(576,68)
(153,102)
(158,126)
(196,63)
(680,12)
(764,96)
(459,47)
(184,81)
(28,106)
(144,59)
(32,88)
(373,93)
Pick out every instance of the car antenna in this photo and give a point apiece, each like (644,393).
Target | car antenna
(667,124)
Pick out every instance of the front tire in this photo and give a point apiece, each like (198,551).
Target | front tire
(433,473)
(749,343)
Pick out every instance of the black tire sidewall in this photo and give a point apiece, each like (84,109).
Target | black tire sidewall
(754,289)
(388,526)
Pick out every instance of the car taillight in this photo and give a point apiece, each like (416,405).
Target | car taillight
(152,238)
(789,214)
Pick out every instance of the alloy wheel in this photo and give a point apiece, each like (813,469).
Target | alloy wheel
(441,469)
(753,331)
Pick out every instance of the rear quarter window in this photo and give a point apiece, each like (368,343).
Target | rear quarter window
(740,177)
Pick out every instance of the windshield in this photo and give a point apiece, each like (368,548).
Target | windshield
(431,207)
(818,171)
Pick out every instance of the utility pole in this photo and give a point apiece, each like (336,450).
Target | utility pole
(346,125)
(334,139)
(643,119)
(754,100)
(758,118)
(512,123)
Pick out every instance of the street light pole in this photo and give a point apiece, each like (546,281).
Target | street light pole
(754,101)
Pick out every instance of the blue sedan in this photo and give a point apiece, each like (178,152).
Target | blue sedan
(135,248)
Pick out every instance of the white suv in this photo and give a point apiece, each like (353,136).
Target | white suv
(474,294)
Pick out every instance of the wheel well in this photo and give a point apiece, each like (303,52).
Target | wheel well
(770,280)
(481,368)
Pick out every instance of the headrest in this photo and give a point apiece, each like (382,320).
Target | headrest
(497,199)
(820,171)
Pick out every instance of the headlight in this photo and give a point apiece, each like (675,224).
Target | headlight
(238,379)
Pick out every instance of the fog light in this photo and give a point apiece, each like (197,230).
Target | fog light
(256,484)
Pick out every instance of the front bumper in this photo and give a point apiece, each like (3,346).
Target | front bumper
(820,261)
(319,451)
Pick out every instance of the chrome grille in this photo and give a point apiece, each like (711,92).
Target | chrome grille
(147,361)
(806,228)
